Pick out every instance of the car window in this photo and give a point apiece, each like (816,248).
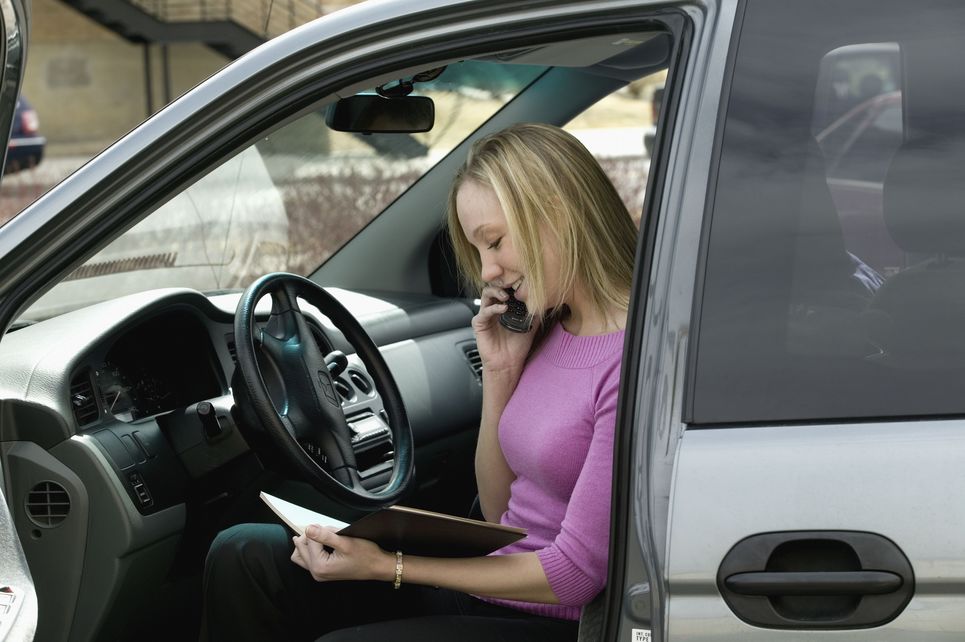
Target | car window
(287,202)
(615,130)
(834,261)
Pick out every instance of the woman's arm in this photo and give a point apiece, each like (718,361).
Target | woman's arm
(503,356)
(518,576)
(493,474)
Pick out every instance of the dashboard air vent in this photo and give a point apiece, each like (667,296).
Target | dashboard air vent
(47,504)
(360,381)
(475,361)
(344,389)
(82,400)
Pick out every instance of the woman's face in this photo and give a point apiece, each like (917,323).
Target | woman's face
(484,224)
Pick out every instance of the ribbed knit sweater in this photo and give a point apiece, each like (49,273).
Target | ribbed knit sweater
(556,434)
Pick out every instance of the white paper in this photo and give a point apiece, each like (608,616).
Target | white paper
(298,518)
(640,635)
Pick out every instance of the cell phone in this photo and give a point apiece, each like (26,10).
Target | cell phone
(517,317)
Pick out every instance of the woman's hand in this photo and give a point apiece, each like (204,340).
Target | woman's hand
(350,558)
(501,350)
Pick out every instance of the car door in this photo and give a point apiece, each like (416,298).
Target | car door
(138,174)
(797,436)
(18,600)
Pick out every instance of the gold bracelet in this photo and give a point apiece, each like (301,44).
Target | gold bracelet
(398,570)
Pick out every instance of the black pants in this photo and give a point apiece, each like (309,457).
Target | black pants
(253,591)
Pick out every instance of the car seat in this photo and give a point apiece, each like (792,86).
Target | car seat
(918,315)
(827,297)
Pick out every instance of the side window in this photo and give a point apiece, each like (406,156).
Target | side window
(835,271)
(619,131)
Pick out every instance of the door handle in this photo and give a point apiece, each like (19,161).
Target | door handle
(814,583)
(817,580)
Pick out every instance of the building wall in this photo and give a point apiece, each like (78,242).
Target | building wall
(89,85)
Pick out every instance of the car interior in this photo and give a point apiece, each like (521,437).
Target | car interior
(149,419)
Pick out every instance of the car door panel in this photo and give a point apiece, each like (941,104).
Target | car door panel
(821,406)
(789,479)
(18,600)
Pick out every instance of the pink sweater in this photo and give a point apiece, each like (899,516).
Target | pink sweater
(557,436)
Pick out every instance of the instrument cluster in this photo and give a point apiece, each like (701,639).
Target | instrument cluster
(165,363)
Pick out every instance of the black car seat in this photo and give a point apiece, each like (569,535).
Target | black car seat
(826,298)
(918,315)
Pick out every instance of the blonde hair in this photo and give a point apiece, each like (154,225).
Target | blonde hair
(546,180)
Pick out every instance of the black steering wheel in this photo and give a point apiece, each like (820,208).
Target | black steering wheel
(301,408)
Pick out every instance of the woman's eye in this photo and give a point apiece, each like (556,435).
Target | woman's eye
(495,244)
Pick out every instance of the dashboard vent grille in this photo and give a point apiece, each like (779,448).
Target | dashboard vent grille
(360,381)
(48,504)
(344,389)
(82,400)
(475,361)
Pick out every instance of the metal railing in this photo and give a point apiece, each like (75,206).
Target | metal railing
(266,18)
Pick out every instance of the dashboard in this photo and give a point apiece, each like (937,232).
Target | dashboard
(136,384)
(104,410)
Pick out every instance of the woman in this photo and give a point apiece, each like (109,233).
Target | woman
(530,211)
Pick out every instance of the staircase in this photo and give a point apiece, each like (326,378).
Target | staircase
(231,27)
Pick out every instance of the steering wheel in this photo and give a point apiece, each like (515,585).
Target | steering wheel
(301,407)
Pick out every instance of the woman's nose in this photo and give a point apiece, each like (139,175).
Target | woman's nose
(491,272)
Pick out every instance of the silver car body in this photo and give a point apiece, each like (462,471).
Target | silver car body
(685,495)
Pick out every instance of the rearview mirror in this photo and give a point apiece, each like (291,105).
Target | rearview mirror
(369,113)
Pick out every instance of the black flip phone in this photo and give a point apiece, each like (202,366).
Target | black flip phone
(516,318)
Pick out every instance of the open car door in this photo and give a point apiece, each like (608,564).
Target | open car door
(18,601)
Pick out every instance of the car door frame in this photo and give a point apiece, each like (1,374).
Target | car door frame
(649,422)
(19,617)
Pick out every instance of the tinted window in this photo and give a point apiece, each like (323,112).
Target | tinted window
(835,274)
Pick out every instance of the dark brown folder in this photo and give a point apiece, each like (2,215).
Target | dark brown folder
(419,532)
(410,530)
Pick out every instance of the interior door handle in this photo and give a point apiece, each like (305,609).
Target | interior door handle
(814,583)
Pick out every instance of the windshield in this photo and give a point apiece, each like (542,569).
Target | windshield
(287,202)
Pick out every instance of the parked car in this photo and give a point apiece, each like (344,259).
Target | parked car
(788,459)
(26,147)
